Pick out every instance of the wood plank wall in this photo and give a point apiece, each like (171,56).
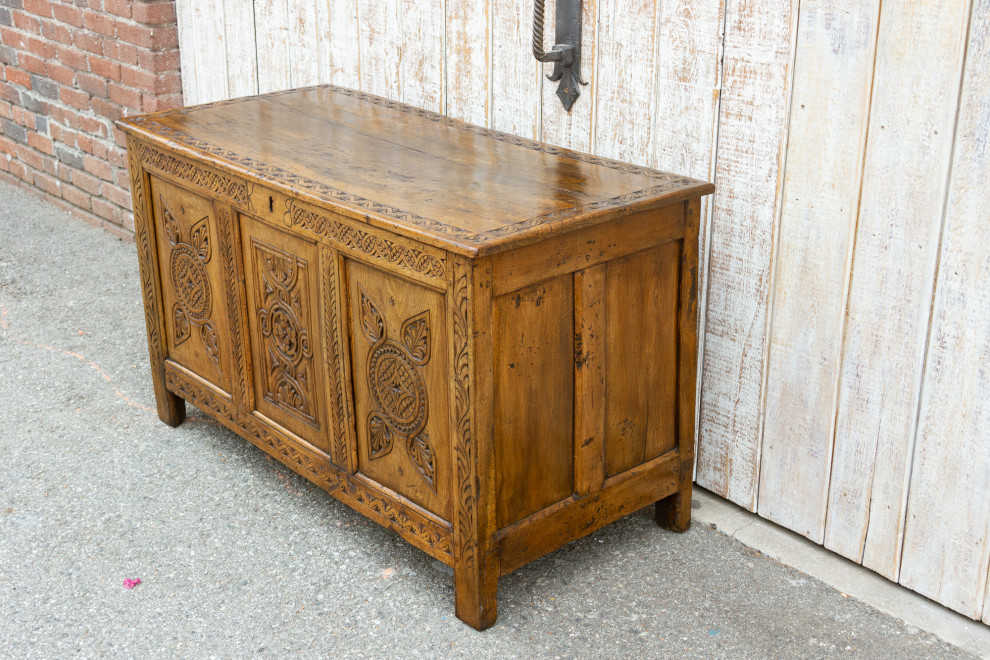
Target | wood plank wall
(845,389)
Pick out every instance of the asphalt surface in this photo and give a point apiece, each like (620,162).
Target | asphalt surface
(239,557)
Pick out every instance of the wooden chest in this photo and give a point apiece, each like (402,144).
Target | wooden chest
(483,343)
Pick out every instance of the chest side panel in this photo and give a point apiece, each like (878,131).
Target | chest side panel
(192,279)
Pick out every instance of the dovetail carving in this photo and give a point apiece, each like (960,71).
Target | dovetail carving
(287,352)
(365,242)
(231,189)
(397,387)
(433,537)
(187,267)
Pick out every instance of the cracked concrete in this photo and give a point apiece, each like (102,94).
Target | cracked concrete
(240,557)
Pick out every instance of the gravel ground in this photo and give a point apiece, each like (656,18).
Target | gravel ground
(239,557)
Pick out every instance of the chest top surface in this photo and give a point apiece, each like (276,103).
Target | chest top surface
(458,186)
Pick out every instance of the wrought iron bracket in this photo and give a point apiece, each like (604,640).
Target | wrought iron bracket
(566,51)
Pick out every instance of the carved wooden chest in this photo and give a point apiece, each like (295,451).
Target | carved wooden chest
(484,343)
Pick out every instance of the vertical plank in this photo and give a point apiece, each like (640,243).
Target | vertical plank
(210,54)
(752,140)
(573,129)
(516,74)
(468,61)
(381,47)
(241,51)
(271,34)
(589,379)
(904,185)
(947,535)
(833,74)
(337,38)
(303,39)
(187,50)
(422,53)
(625,98)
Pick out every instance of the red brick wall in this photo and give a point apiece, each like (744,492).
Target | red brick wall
(68,69)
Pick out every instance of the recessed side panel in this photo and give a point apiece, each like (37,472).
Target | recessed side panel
(641,356)
(400,371)
(282,280)
(534,398)
(194,296)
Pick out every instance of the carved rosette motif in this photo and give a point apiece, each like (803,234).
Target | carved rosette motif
(287,347)
(397,387)
(187,268)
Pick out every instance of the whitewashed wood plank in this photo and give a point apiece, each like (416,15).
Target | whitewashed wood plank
(422,53)
(381,47)
(947,535)
(338,39)
(833,72)
(271,30)
(904,183)
(516,74)
(187,50)
(626,97)
(241,51)
(211,52)
(303,39)
(558,126)
(467,62)
(751,140)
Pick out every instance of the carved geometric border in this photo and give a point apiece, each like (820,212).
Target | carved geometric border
(230,189)
(666,182)
(433,538)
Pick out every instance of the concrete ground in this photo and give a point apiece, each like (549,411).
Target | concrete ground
(239,557)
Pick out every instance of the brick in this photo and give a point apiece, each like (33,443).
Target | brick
(60,74)
(41,48)
(13,4)
(20,171)
(100,23)
(8,55)
(95,85)
(97,167)
(99,152)
(139,79)
(31,158)
(5,163)
(5,109)
(44,86)
(87,42)
(157,61)
(41,124)
(104,68)
(119,197)
(5,17)
(127,53)
(31,102)
(76,197)
(18,77)
(159,103)
(117,156)
(106,210)
(71,57)
(69,156)
(139,35)
(41,143)
(169,83)
(85,181)
(126,97)
(49,184)
(27,23)
(92,125)
(56,32)
(154,14)
(13,131)
(67,14)
(75,98)
(38,7)
(12,38)
(118,7)
(22,116)
(85,142)
(31,64)
(9,93)
(120,138)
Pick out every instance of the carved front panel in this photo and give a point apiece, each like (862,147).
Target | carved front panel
(191,268)
(283,311)
(400,388)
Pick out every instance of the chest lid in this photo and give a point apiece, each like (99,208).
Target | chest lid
(461,187)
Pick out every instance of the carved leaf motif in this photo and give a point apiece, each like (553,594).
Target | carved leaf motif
(416,337)
(371,319)
(200,239)
(171,224)
(422,457)
(210,342)
(180,323)
(379,436)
